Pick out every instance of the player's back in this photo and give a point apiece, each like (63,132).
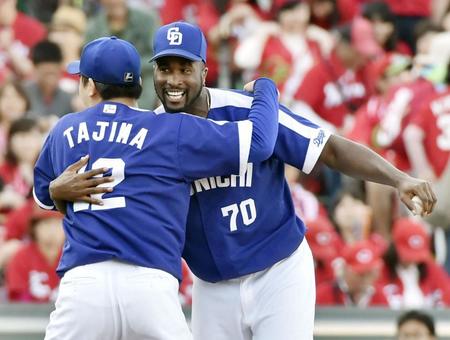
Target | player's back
(142,220)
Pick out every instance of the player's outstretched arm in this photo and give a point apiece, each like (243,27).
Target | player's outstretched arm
(73,186)
(360,162)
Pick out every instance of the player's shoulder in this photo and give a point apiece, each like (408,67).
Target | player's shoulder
(221,98)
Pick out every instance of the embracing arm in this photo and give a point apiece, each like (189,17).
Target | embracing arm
(360,162)
(73,186)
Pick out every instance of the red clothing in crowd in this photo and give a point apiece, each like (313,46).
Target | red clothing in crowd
(331,294)
(185,291)
(332,91)
(323,272)
(435,287)
(30,278)
(420,8)
(18,220)
(381,122)
(285,69)
(434,121)
(10,175)
(27,30)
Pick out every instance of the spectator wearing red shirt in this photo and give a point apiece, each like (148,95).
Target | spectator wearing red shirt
(283,51)
(383,22)
(427,138)
(337,87)
(411,278)
(18,34)
(355,284)
(31,272)
(324,242)
(16,173)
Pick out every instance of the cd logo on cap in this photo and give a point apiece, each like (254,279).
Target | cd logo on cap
(174,36)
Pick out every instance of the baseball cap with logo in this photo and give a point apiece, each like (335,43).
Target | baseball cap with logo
(322,238)
(109,60)
(411,240)
(362,257)
(180,39)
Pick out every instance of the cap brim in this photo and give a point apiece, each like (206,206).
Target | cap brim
(176,53)
(362,268)
(74,67)
(415,256)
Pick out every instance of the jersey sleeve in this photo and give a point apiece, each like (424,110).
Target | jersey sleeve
(300,142)
(43,175)
(210,148)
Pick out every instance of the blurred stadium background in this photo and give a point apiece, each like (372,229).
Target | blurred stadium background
(371,70)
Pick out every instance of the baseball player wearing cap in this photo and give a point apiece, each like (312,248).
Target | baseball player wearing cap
(254,271)
(121,261)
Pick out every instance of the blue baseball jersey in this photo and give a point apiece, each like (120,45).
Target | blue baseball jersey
(153,159)
(239,225)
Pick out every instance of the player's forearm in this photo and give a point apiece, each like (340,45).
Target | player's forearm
(264,116)
(360,162)
(61,206)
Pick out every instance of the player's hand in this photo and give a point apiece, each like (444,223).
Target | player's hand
(250,86)
(410,187)
(73,186)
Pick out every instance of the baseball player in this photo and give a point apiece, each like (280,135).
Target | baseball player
(254,270)
(122,260)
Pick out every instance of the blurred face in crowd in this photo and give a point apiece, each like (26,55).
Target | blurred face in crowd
(114,8)
(49,233)
(12,105)
(349,56)
(322,9)
(423,42)
(414,330)
(26,145)
(383,30)
(179,82)
(48,75)
(353,218)
(8,12)
(69,40)
(295,19)
(358,283)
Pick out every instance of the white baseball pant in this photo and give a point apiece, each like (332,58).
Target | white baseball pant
(276,303)
(117,301)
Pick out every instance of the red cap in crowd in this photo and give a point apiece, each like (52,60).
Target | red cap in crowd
(411,240)
(362,257)
(322,238)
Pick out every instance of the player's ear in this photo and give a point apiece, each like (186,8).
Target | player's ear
(204,73)
(91,89)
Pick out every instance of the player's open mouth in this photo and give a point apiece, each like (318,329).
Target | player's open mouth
(175,95)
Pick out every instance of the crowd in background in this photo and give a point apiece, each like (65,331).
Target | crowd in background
(373,71)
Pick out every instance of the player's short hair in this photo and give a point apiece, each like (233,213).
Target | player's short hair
(108,91)
(46,52)
(419,316)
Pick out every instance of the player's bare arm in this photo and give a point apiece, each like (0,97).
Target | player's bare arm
(73,186)
(360,162)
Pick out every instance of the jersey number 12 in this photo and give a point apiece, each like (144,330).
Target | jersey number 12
(117,166)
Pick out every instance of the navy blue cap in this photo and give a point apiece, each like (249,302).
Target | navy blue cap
(109,60)
(180,39)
